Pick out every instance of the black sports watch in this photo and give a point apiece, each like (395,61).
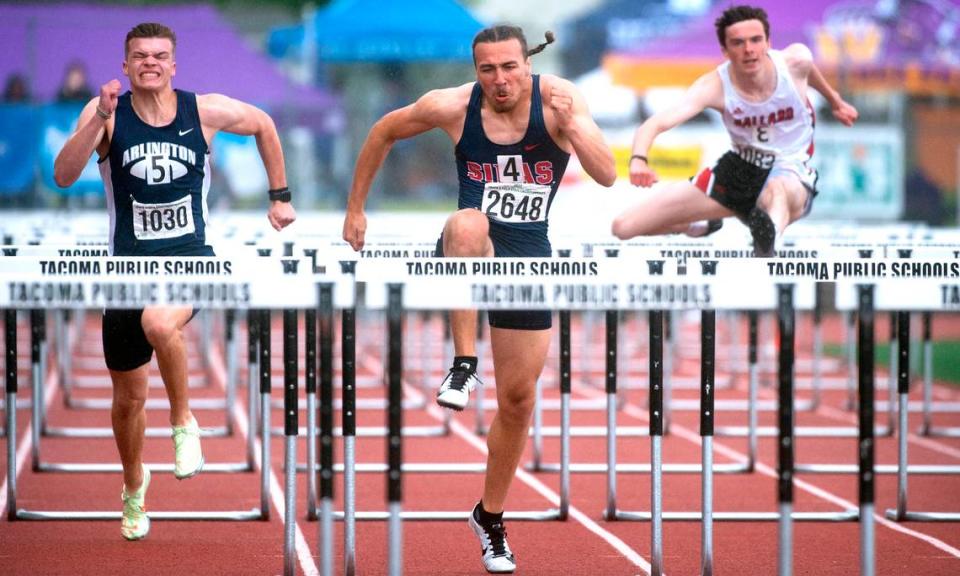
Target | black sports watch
(279,195)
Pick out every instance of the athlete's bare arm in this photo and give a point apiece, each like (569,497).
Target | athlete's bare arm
(89,136)
(705,92)
(805,72)
(445,109)
(569,112)
(219,113)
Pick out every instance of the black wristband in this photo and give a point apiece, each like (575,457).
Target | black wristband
(641,157)
(279,195)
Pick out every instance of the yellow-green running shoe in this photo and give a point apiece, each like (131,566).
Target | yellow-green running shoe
(135,524)
(188,459)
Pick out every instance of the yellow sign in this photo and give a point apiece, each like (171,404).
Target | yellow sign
(669,162)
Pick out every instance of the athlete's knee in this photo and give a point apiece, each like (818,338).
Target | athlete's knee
(621,227)
(129,401)
(515,405)
(466,233)
(159,329)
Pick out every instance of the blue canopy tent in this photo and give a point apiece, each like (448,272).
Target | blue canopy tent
(374,31)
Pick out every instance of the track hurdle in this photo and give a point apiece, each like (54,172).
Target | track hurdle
(937,292)
(242,288)
(43,265)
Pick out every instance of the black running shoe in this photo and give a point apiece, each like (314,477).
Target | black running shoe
(497,557)
(763,231)
(455,391)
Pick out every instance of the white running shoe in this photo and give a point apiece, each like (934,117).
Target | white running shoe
(188,458)
(455,391)
(497,557)
(135,524)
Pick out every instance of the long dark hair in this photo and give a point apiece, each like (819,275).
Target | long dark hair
(502,32)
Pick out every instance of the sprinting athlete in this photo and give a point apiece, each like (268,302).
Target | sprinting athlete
(513,133)
(153,147)
(765,179)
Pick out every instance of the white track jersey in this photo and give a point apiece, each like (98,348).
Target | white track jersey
(778,130)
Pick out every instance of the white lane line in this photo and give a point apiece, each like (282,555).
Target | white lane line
(304,555)
(691,436)
(466,434)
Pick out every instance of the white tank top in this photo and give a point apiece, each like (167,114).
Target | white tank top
(779,129)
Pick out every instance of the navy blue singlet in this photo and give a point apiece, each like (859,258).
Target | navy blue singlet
(513,184)
(156,181)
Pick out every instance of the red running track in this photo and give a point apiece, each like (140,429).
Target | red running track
(583,544)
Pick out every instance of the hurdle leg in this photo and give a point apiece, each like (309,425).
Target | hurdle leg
(565,377)
(36,380)
(230,349)
(325,437)
(656,439)
(480,427)
(817,347)
(265,385)
(865,362)
(927,427)
(395,425)
(785,410)
(611,385)
(851,361)
(310,350)
(253,354)
(895,344)
(708,326)
(349,425)
(668,349)
(291,429)
(10,343)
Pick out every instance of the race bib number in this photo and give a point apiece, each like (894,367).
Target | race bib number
(515,202)
(756,157)
(160,221)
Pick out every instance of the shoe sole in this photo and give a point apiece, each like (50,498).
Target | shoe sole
(192,474)
(453,407)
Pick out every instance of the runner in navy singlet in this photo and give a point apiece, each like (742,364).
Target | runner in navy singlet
(764,179)
(153,144)
(513,133)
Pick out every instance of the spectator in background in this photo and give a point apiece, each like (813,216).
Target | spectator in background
(75,87)
(16,89)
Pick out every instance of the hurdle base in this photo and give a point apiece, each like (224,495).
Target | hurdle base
(101,432)
(630,468)
(923,516)
(851,515)
(533,516)
(216,515)
(217,468)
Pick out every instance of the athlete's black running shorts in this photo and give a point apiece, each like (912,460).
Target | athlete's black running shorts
(125,346)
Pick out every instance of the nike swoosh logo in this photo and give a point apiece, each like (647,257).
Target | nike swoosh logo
(185,132)
(530,147)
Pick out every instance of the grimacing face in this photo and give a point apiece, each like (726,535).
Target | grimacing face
(502,71)
(150,63)
(746,45)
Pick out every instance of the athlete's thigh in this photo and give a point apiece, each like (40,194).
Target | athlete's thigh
(793,190)
(671,204)
(518,359)
(173,317)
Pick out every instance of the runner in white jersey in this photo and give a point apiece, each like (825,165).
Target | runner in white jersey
(764,179)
